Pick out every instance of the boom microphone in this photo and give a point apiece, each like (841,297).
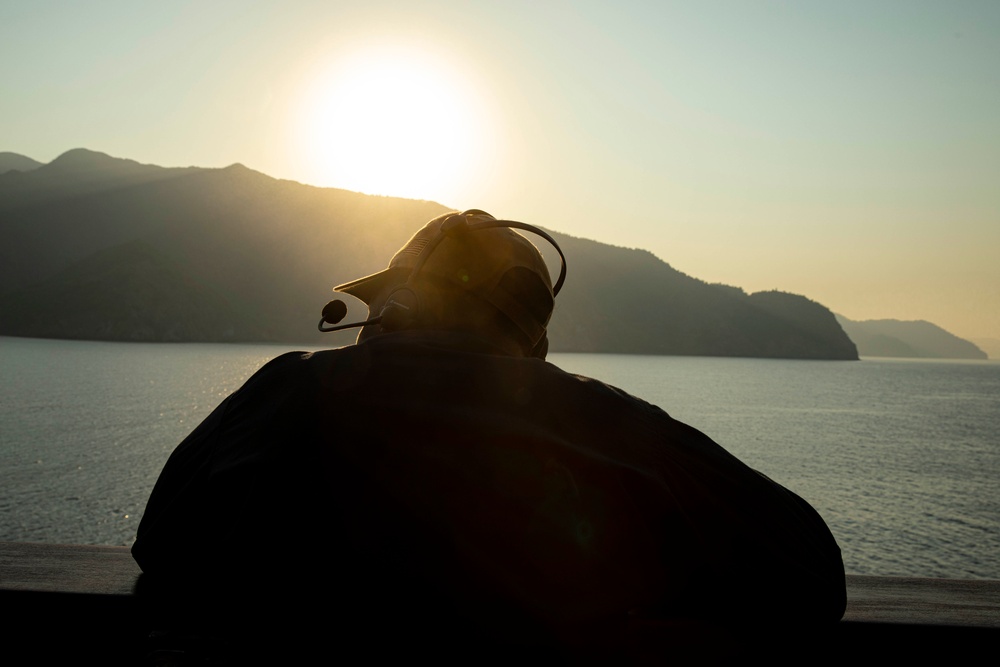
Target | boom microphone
(335,311)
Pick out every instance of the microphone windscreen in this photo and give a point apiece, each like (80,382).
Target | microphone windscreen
(334,311)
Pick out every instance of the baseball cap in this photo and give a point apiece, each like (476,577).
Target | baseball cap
(474,251)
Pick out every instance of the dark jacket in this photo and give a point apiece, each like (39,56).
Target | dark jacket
(421,472)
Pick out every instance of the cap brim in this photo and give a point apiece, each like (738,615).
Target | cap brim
(368,288)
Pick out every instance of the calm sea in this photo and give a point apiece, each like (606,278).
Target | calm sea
(901,457)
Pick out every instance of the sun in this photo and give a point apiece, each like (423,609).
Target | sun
(394,121)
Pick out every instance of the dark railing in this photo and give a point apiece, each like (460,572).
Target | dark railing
(73,603)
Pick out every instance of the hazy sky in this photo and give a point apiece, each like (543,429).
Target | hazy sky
(848,151)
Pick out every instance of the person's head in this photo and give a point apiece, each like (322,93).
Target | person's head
(463,272)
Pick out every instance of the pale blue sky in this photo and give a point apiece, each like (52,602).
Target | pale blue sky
(848,151)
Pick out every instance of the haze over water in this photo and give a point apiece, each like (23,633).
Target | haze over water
(900,457)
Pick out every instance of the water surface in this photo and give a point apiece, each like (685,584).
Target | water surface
(900,457)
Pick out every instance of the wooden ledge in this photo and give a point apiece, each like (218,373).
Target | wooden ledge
(85,595)
(100,570)
(67,568)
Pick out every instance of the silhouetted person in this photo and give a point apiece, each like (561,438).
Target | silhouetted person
(438,488)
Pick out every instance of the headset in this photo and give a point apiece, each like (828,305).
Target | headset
(403,306)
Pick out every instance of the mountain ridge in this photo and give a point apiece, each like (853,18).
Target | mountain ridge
(16,162)
(141,252)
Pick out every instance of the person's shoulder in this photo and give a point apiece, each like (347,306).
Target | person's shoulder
(599,388)
(284,363)
(296,367)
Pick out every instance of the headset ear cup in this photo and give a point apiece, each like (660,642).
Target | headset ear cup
(401,310)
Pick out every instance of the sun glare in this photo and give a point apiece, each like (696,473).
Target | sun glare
(393,122)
